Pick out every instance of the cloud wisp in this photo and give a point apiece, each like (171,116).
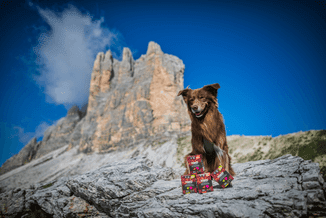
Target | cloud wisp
(66,53)
(25,137)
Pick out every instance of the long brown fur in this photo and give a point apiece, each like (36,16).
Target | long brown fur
(210,126)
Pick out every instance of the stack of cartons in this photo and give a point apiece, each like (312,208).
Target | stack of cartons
(201,182)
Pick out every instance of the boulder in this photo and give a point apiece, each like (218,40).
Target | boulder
(284,187)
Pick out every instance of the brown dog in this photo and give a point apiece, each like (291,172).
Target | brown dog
(207,126)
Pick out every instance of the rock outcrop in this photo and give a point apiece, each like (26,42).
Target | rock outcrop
(285,187)
(24,156)
(132,100)
(129,101)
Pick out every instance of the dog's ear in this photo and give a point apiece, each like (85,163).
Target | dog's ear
(184,94)
(212,88)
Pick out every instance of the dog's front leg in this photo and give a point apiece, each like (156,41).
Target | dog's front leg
(197,144)
(197,148)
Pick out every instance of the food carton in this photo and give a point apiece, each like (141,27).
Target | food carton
(222,176)
(195,164)
(188,184)
(204,183)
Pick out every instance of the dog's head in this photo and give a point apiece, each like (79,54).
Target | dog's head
(200,100)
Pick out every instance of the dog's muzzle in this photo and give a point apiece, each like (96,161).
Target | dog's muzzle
(198,113)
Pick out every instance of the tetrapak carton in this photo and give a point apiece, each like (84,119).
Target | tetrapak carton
(188,184)
(222,176)
(204,183)
(195,164)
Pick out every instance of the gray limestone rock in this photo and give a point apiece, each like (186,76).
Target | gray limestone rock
(67,161)
(137,187)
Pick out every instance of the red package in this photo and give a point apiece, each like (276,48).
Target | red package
(195,164)
(188,184)
(222,176)
(204,183)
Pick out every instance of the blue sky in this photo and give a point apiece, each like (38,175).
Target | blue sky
(269,58)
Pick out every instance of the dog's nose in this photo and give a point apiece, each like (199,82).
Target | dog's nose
(195,108)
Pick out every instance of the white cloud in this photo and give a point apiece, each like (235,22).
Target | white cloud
(22,136)
(66,54)
(25,137)
(40,129)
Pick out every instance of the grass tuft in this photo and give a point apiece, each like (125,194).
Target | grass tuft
(47,185)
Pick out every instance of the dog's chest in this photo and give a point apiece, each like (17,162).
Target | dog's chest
(208,132)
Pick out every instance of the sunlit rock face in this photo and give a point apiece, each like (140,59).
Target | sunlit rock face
(129,101)
(132,100)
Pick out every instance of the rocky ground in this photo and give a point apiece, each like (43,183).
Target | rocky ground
(64,162)
(287,186)
(271,188)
